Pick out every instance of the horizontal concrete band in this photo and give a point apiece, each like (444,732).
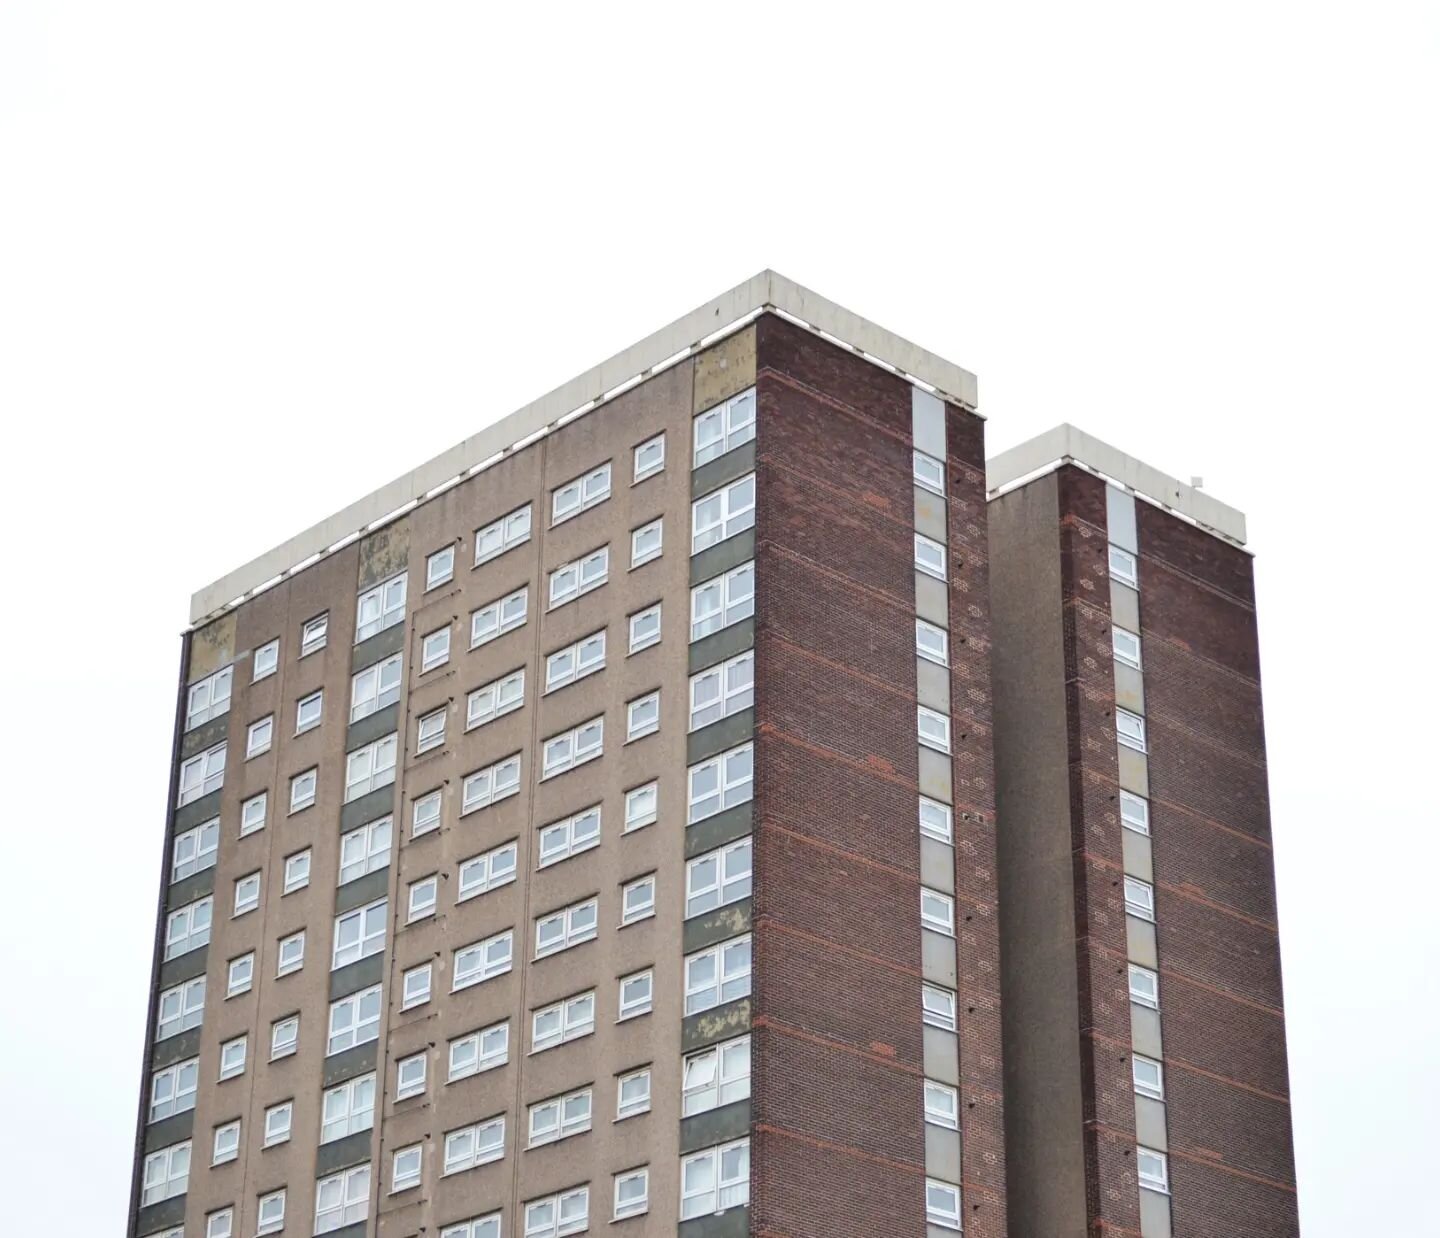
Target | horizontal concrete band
(665,347)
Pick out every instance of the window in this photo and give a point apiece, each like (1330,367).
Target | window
(929,473)
(637,992)
(647,542)
(180,1008)
(1149,1076)
(929,557)
(568,1213)
(1126,646)
(253,813)
(716,1076)
(570,580)
(410,1076)
(313,634)
(479,1051)
(308,710)
(258,736)
(505,534)
(1154,1170)
(480,1227)
(347,1108)
(642,716)
(342,1199)
(435,649)
(370,768)
(725,427)
(932,643)
(232,1057)
(571,748)
(942,1204)
(632,1193)
(195,850)
(1130,729)
(1140,898)
(715,1180)
(239,975)
(267,658)
(302,789)
(354,1020)
(937,1007)
(637,900)
(166,1174)
(721,782)
(490,785)
(934,729)
(430,732)
(722,514)
(562,1021)
(415,987)
(942,1105)
(722,690)
(482,873)
(559,1117)
(475,1145)
(284,1036)
(483,961)
(937,820)
(365,849)
(209,698)
(290,954)
(380,607)
(1144,987)
(297,871)
(641,805)
(188,928)
(270,1212)
(425,813)
(439,567)
(562,839)
(1134,813)
(495,699)
(217,1225)
(359,934)
(645,628)
(498,617)
(201,775)
(718,878)
(585,657)
(172,1090)
(1124,567)
(583,492)
(570,926)
(375,687)
(247,893)
(719,974)
(649,458)
(720,602)
(277,1123)
(225,1143)
(937,911)
(405,1168)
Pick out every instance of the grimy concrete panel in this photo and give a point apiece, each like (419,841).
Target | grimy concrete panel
(937,864)
(719,559)
(1140,942)
(936,775)
(1154,1215)
(942,1055)
(1124,606)
(723,827)
(342,1153)
(732,1223)
(721,471)
(942,1153)
(937,958)
(176,1048)
(205,736)
(716,1126)
(716,926)
(1129,689)
(718,737)
(385,553)
(1133,771)
(1120,518)
(1138,851)
(377,648)
(211,647)
(373,726)
(1150,1123)
(931,518)
(709,1027)
(932,600)
(932,685)
(927,422)
(362,890)
(725,370)
(719,646)
(1145,1031)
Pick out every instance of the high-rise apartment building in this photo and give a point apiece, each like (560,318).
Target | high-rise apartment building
(598,825)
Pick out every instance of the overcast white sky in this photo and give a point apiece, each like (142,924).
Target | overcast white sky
(256,259)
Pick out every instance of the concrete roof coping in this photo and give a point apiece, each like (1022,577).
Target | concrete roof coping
(729,312)
(1066,444)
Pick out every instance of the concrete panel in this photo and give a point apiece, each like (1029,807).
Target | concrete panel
(937,958)
(717,560)
(385,553)
(342,1153)
(373,726)
(720,736)
(719,646)
(1154,1215)
(204,736)
(163,1133)
(175,1048)
(724,370)
(183,967)
(937,864)
(368,807)
(721,471)
(716,926)
(1120,518)
(932,600)
(712,1026)
(378,647)
(212,647)
(1133,771)
(1150,1123)
(1124,606)
(1129,688)
(942,1153)
(930,515)
(705,1130)
(1140,942)
(168,1212)
(358,975)
(732,1223)
(936,774)
(927,422)
(188,889)
(362,890)
(942,1056)
(357,1061)
(723,827)
(1138,853)
(1145,1031)
(932,683)
(206,807)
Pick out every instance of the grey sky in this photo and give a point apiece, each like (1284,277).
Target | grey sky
(255,260)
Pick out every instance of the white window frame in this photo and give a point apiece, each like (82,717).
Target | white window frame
(258,736)
(314,634)
(369,690)
(266,660)
(574,662)
(209,697)
(937,820)
(656,447)
(375,857)
(371,919)
(279,1124)
(494,619)
(945,1214)
(565,750)
(723,1191)
(193,936)
(225,1143)
(439,567)
(635,1205)
(715,1076)
(718,603)
(495,699)
(720,691)
(422,897)
(480,1143)
(732,963)
(297,872)
(284,1037)
(303,787)
(580,494)
(234,1053)
(477,1227)
(642,806)
(172,1089)
(637,900)
(435,649)
(1135,812)
(479,874)
(636,995)
(647,542)
(571,1018)
(722,514)
(639,1102)
(511,530)
(200,775)
(351,1205)
(491,1046)
(931,557)
(942,1105)
(218,1224)
(642,716)
(728,425)
(569,836)
(253,813)
(932,643)
(730,789)
(578,577)
(495,955)
(240,974)
(568,1213)
(290,954)
(1144,987)
(1148,1076)
(1124,566)
(166,1174)
(732,880)
(1153,1170)
(247,894)
(641,637)
(425,812)
(484,787)
(201,848)
(411,1076)
(270,1212)
(932,728)
(316,700)
(937,911)
(348,1108)
(938,1007)
(430,730)
(578,923)
(349,1025)
(386,604)
(371,766)
(1130,730)
(1126,646)
(929,473)
(573,1114)
(188,1002)
(1139,899)
(415,986)
(406,1167)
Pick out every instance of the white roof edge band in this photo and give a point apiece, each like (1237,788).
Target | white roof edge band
(1066,444)
(667,346)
